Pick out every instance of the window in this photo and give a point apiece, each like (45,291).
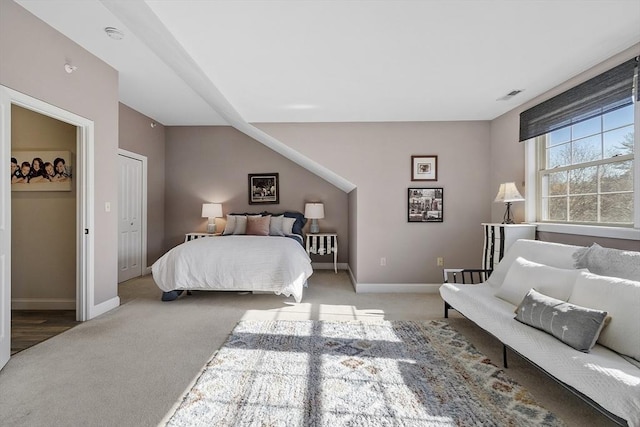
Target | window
(585,171)
(581,147)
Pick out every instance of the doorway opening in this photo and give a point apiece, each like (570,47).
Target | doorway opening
(82,213)
(43,227)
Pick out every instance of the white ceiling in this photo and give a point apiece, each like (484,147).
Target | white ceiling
(203,62)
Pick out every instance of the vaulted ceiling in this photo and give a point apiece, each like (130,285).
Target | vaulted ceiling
(188,62)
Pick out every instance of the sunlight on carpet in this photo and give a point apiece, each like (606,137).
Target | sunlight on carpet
(327,373)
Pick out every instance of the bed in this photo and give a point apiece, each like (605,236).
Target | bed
(239,260)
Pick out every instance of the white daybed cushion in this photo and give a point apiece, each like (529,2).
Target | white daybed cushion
(602,374)
(524,275)
(621,299)
(552,254)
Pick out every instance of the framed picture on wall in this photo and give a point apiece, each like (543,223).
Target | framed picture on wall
(264,188)
(424,168)
(425,205)
(41,170)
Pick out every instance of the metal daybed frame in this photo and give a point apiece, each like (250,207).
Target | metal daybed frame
(471,276)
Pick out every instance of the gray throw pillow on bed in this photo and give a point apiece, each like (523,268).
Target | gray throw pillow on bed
(576,326)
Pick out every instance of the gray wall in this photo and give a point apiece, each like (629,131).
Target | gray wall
(211,164)
(43,223)
(376,157)
(137,135)
(32,62)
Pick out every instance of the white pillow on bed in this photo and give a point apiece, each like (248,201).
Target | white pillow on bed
(231,225)
(241,225)
(275,227)
(287,225)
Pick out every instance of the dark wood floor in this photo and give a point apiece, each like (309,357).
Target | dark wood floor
(30,327)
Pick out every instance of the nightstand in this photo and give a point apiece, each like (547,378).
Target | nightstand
(192,236)
(499,237)
(324,244)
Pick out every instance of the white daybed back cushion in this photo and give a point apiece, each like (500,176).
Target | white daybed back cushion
(621,299)
(552,254)
(525,275)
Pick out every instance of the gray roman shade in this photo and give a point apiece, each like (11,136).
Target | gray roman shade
(606,92)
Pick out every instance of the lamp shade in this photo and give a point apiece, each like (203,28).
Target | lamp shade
(508,193)
(211,210)
(314,210)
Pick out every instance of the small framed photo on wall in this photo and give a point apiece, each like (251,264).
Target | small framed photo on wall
(425,205)
(264,188)
(424,168)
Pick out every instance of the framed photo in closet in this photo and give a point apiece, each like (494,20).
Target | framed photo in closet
(41,170)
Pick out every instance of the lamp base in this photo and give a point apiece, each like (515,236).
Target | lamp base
(211,226)
(506,219)
(315,227)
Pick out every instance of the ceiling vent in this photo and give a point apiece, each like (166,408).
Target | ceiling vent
(510,95)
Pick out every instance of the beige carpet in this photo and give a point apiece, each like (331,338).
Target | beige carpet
(128,367)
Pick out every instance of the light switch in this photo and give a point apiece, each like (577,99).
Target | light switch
(107,207)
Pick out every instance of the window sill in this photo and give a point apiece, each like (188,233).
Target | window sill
(590,230)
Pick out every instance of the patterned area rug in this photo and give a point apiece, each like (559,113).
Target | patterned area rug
(320,373)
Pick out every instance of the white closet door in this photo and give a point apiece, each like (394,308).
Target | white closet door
(130,219)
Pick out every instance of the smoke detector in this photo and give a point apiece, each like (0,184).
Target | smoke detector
(114,33)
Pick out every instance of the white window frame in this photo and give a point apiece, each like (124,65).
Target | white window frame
(533,196)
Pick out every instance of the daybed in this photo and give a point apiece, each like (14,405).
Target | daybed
(255,253)
(591,293)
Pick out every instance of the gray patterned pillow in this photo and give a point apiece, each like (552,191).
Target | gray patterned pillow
(576,326)
(609,262)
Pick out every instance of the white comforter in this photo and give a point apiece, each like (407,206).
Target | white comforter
(244,263)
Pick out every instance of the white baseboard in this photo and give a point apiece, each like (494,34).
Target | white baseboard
(103,307)
(397,288)
(43,304)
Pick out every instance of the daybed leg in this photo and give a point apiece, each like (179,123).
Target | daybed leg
(446,310)
(504,356)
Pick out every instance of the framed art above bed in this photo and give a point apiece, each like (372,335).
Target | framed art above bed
(264,189)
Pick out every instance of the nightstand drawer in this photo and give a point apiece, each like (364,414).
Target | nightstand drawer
(192,236)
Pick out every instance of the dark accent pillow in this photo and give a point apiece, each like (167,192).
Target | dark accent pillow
(300,221)
(576,326)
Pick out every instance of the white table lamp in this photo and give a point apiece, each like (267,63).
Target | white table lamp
(508,193)
(211,211)
(314,211)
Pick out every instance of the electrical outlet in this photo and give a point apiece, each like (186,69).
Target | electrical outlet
(440,261)
(383,261)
